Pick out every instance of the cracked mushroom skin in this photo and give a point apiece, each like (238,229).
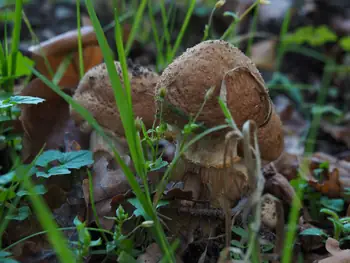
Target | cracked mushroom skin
(95,93)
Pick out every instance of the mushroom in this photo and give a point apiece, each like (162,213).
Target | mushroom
(95,93)
(183,87)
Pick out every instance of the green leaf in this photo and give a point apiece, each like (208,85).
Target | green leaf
(14,100)
(346,228)
(4,118)
(95,243)
(236,243)
(7,178)
(267,247)
(126,258)
(48,156)
(162,203)
(345,43)
(6,194)
(38,189)
(313,36)
(58,170)
(240,231)
(76,159)
(322,35)
(68,160)
(139,211)
(158,164)
(21,68)
(4,254)
(22,213)
(333,204)
(313,232)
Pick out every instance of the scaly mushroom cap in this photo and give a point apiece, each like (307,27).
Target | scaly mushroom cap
(95,93)
(203,66)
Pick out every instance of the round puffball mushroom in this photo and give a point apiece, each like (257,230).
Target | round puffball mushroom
(183,86)
(95,93)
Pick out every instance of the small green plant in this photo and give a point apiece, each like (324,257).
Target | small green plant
(242,244)
(341,227)
(53,162)
(84,242)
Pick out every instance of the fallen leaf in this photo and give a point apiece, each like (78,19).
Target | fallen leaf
(263,54)
(279,186)
(330,187)
(337,255)
(338,132)
(153,254)
(107,183)
(342,167)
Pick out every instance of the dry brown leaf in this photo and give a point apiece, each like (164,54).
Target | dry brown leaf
(330,187)
(337,255)
(280,187)
(153,254)
(264,54)
(287,165)
(107,183)
(338,132)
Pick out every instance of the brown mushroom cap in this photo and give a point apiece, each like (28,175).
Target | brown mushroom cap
(271,138)
(203,66)
(95,93)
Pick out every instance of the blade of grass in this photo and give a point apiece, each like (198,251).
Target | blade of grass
(80,44)
(320,101)
(93,206)
(252,30)
(36,41)
(182,31)
(15,40)
(284,29)
(3,61)
(135,26)
(62,68)
(166,34)
(160,56)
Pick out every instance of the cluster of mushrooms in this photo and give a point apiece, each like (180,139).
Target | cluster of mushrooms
(184,85)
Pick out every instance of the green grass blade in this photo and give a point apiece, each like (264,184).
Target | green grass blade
(182,30)
(80,44)
(135,26)
(36,41)
(165,19)
(62,68)
(283,32)
(3,62)
(160,55)
(15,39)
